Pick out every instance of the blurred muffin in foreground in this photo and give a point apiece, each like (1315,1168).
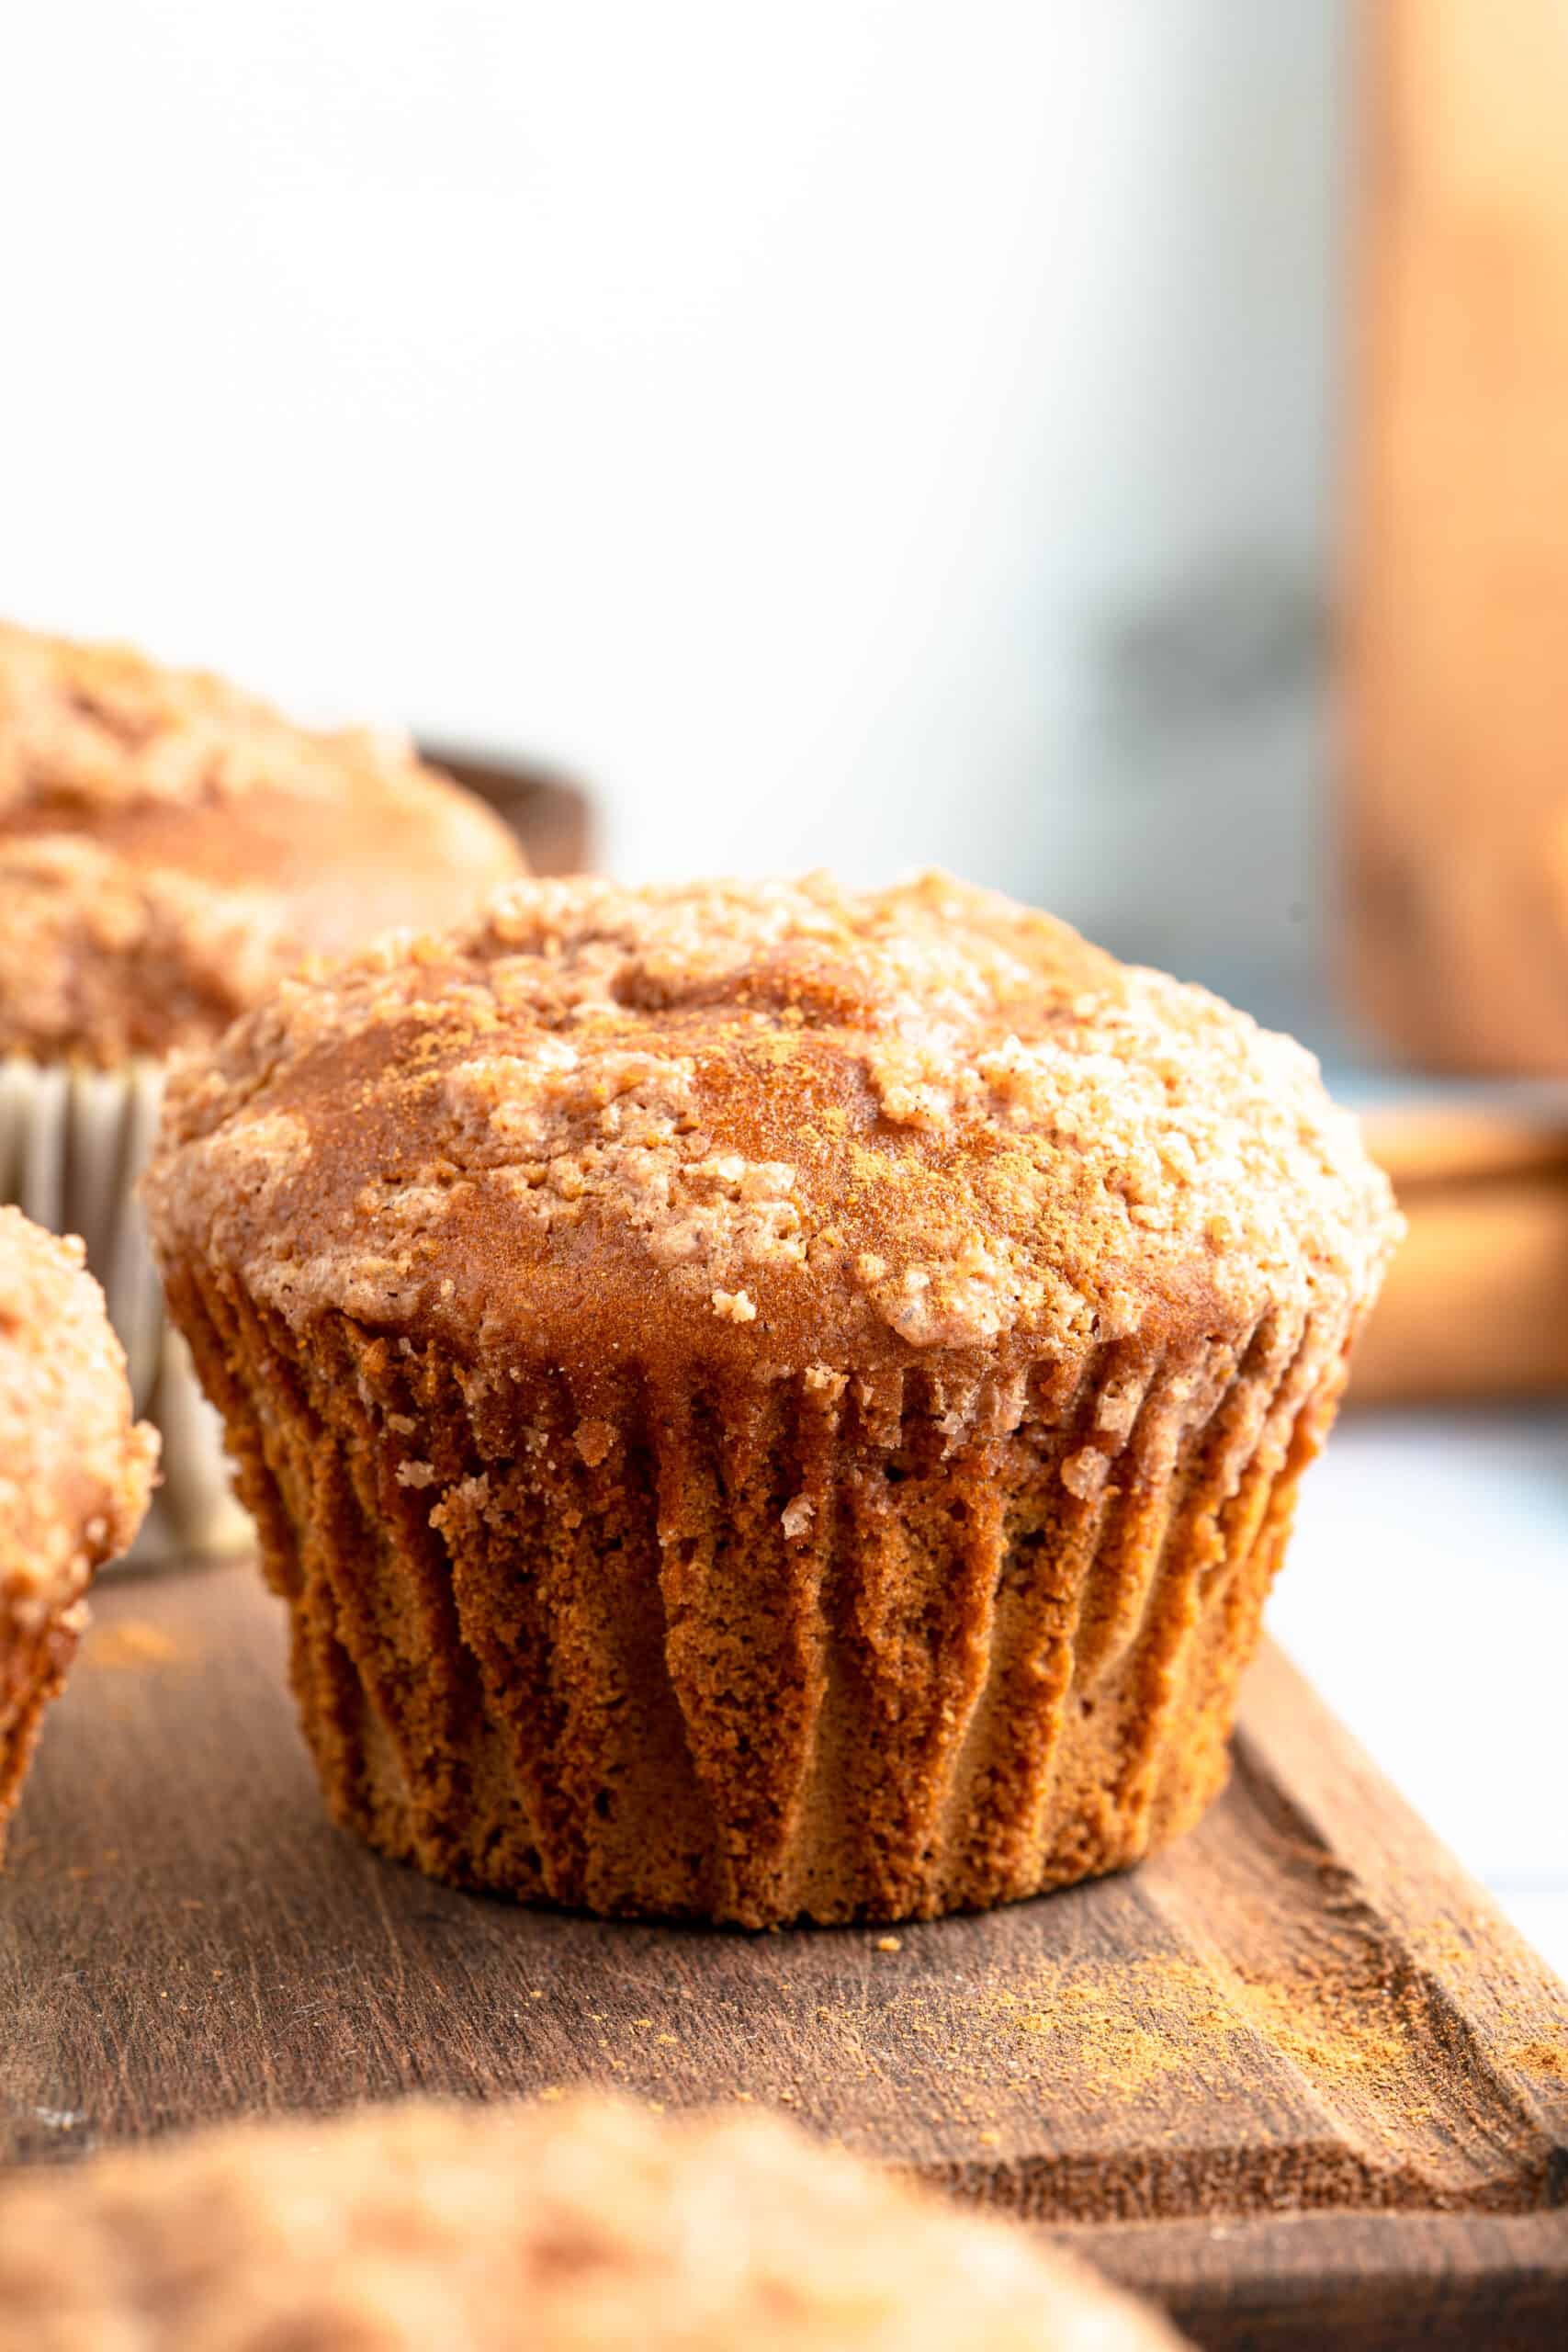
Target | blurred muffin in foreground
(169,846)
(74,1473)
(586,2226)
(766,1401)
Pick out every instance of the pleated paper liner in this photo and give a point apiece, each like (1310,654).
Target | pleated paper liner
(863,1647)
(73,1144)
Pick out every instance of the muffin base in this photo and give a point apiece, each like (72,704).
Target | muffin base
(874,1648)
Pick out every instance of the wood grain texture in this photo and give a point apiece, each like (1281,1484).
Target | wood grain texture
(1296,2076)
(1456,815)
(1476,1300)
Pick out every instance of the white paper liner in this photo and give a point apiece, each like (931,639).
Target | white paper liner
(73,1144)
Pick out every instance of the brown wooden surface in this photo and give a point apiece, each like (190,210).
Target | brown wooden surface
(1296,2076)
(1476,1300)
(1456,814)
(552,815)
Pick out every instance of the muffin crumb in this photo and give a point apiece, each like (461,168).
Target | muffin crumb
(797,1515)
(735,1306)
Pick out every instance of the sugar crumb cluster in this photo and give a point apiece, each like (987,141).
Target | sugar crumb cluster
(925,1104)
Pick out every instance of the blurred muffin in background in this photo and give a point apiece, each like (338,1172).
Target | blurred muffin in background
(587,2226)
(169,847)
(74,1473)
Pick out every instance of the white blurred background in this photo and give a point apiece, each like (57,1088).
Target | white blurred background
(864,431)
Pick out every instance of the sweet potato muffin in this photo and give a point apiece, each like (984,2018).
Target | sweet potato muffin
(766,1402)
(169,846)
(74,1473)
(584,2227)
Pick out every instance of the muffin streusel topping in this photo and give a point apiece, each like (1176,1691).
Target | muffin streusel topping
(581,2226)
(169,846)
(99,727)
(786,1111)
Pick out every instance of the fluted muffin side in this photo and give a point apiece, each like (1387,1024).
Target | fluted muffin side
(830,1647)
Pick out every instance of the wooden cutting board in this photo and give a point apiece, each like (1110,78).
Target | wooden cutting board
(1296,2076)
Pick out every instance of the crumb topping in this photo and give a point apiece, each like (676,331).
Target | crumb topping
(74,1474)
(570,2225)
(95,727)
(808,1119)
(170,845)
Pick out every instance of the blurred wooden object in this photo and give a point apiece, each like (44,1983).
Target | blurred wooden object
(1456,818)
(551,814)
(1476,1301)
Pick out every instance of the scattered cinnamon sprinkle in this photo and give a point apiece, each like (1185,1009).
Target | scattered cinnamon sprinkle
(1032,1139)
(1550,2058)
(131,1643)
(1343,2013)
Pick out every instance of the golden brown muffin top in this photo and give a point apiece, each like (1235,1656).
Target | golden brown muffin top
(800,1124)
(586,2226)
(74,1474)
(170,845)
